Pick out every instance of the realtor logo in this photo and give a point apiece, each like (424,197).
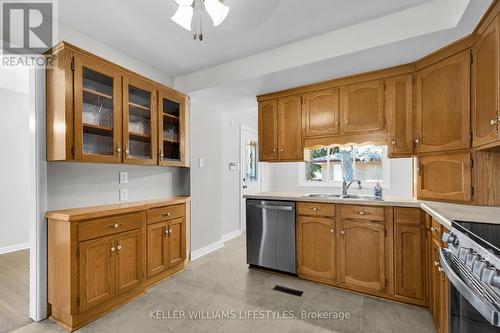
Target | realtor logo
(27,27)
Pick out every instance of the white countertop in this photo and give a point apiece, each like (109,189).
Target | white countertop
(442,212)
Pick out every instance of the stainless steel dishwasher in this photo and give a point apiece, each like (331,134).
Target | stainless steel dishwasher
(271,234)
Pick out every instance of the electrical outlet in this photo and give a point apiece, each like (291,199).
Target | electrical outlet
(123,194)
(123,177)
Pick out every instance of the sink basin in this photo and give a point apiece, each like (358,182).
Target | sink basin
(360,196)
(322,195)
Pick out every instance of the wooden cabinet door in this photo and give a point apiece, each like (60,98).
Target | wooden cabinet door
(445,177)
(443,105)
(486,85)
(268,130)
(172,129)
(176,242)
(321,113)
(157,248)
(409,243)
(436,292)
(362,255)
(316,248)
(129,259)
(97,262)
(362,107)
(140,124)
(290,145)
(98,112)
(400,115)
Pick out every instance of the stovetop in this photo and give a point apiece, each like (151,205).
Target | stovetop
(485,234)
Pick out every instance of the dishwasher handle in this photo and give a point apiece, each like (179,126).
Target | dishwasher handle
(289,208)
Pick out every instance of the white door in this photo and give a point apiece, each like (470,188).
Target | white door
(250,170)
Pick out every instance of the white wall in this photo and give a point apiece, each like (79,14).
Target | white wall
(14,169)
(81,184)
(231,122)
(286,179)
(205,127)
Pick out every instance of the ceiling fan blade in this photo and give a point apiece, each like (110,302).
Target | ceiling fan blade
(183,16)
(217,11)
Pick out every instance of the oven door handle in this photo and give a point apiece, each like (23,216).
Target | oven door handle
(485,308)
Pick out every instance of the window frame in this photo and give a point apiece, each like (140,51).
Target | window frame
(385,183)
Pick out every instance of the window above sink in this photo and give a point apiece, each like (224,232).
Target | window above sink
(328,166)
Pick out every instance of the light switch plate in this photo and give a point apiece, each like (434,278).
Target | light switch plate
(123,177)
(123,194)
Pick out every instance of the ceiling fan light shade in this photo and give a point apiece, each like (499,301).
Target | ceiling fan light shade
(183,16)
(184,3)
(217,11)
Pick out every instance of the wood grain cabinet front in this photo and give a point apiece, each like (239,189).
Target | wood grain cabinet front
(362,107)
(485,87)
(316,253)
(443,105)
(268,130)
(321,113)
(445,177)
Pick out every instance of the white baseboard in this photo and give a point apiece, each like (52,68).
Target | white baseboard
(231,235)
(14,248)
(206,250)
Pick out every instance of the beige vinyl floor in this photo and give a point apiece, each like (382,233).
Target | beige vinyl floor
(220,284)
(14,290)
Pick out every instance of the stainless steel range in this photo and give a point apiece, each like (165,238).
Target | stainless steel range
(471,263)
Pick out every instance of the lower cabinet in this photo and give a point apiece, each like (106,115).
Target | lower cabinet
(409,255)
(362,254)
(166,245)
(99,262)
(316,248)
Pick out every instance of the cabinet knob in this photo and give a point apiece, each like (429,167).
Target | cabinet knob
(393,141)
(347,121)
(493,121)
(116,226)
(119,247)
(167,214)
(417,141)
(113,249)
(342,233)
(332,230)
(440,269)
(275,150)
(315,209)
(434,229)
(161,155)
(436,263)
(282,150)
(362,212)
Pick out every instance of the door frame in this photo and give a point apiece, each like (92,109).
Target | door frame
(251,130)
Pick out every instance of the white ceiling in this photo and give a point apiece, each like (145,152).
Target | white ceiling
(143,29)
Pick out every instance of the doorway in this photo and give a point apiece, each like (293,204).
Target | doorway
(250,169)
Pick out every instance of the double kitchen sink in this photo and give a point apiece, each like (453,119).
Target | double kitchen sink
(341,196)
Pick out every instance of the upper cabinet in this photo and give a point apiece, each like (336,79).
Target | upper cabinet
(485,87)
(362,107)
(100,112)
(139,122)
(280,129)
(400,115)
(268,130)
(443,105)
(290,143)
(321,113)
(173,124)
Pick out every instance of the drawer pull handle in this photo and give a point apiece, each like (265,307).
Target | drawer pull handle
(315,209)
(362,212)
(167,214)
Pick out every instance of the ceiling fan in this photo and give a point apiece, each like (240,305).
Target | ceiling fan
(194,8)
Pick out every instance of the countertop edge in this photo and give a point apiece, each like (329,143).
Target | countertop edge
(84,213)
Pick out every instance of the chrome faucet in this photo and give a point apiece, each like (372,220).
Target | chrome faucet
(346,186)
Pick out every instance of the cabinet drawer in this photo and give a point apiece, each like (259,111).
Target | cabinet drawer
(316,209)
(109,225)
(362,212)
(407,215)
(166,213)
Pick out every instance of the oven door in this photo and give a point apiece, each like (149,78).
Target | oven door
(469,311)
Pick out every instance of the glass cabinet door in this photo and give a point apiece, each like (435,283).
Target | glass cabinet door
(171,129)
(97,112)
(139,122)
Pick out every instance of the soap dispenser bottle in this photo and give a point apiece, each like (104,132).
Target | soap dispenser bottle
(377,191)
